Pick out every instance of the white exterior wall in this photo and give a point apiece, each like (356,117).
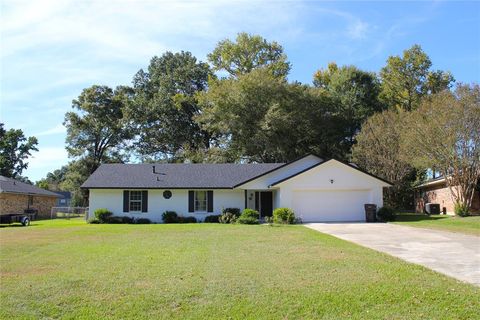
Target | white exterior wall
(112,199)
(345,180)
(263,182)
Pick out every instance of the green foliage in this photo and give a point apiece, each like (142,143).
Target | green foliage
(284,215)
(228,217)
(170,217)
(247,53)
(248,216)
(128,220)
(235,211)
(93,221)
(211,219)
(103,215)
(406,79)
(443,134)
(386,213)
(15,149)
(247,220)
(461,209)
(143,221)
(187,219)
(165,105)
(99,131)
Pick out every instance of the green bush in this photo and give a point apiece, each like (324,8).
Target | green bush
(93,221)
(461,210)
(143,221)
(227,217)
(187,219)
(248,216)
(102,215)
(114,220)
(283,215)
(247,220)
(234,211)
(211,219)
(170,217)
(250,213)
(386,214)
(128,220)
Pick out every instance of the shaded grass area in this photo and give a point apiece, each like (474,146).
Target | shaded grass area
(467,225)
(67,269)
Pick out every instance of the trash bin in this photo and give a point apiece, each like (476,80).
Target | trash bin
(370,212)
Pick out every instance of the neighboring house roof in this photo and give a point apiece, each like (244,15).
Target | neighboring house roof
(9,185)
(351,165)
(432,182)
(175,175)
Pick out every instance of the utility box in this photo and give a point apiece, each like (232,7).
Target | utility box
(432,208)
(370,212)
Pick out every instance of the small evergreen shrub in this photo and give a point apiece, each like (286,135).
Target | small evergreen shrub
(93,221)
(102,215)
(143,221)
(386,214)
(114,220)
(248,216)
(128,220)
(461,209)
(170,217)
(187,219)
(284,215)
(227,217)
(211,219)
(234,211)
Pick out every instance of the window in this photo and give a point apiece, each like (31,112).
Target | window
(201,201)
(135,201)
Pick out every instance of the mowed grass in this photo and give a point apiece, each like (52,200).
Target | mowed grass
(467,225)
(71,270)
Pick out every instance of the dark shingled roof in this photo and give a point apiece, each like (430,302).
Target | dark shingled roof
(175,176)
(9,185)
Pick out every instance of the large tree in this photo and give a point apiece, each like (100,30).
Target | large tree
(444,134)
(15,149)
(356,93)
(99,130)
(165,104)
(378,151)
(406,79)
(249,52)
(53,179)
(260,117)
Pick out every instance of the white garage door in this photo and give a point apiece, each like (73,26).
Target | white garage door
(341,205)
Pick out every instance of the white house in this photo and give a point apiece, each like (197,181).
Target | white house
(316,189)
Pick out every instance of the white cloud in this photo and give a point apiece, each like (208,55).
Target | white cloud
(45,160)
(358,30)
(58,129)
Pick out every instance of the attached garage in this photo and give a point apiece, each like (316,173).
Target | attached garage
(330,205)
(330,191)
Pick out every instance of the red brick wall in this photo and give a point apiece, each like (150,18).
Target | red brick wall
(441,194)
(17,203)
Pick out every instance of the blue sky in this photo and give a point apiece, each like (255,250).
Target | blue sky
(51,50)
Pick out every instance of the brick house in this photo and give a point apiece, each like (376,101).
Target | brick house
(436,191)
(17,196)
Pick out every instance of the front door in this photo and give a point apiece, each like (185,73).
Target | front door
(266,203)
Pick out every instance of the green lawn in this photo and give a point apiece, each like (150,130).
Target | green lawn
(468,225)
(67,269)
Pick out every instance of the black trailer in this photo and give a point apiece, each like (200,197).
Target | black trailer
(23,218)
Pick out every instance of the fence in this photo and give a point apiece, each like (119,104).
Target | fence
(69,212)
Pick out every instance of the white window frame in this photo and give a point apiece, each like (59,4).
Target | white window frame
(130,201)
(195,201)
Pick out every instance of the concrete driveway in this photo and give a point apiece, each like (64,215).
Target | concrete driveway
(453,254)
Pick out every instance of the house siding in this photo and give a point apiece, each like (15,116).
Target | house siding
(17,203)
(112,199)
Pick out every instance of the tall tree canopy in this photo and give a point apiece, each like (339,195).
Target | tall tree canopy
(406,79)
(165,104)
(260,117)
(15,149)
(356,93)
(247,53)
(54,179)
(444,134)
(98,130)
(378,151)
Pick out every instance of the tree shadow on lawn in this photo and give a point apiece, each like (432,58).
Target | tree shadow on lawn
(420,217)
